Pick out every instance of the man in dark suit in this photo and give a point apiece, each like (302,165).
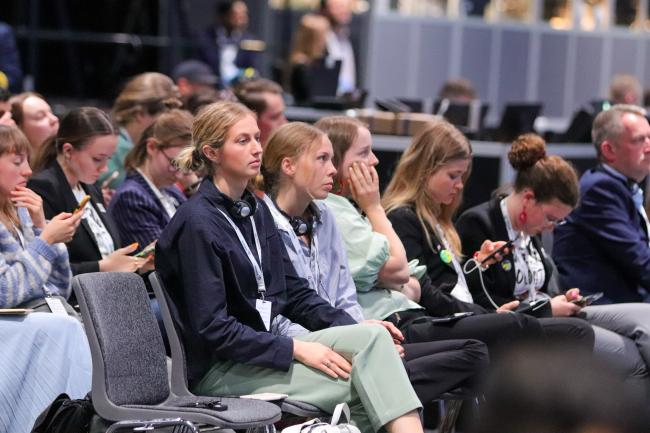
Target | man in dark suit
(604,246)
(226,46)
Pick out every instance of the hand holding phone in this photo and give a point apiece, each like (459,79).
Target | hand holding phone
(148,251)
(499,250)
(84,201)
(588,300)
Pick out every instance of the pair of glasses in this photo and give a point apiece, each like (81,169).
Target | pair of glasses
(554,222)
(172,164)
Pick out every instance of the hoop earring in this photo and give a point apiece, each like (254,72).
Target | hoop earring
(523,216)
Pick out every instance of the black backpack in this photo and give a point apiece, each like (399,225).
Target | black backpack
(66,416)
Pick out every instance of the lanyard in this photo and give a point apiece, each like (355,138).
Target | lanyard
(257,267)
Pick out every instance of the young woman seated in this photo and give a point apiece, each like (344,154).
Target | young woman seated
(378,261)
(228,276)
(298,170)
(545,191)
(148,198)
(69,165)
(43,354)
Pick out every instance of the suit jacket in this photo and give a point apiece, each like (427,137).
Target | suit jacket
(212,286)
(210,42)
(485,221)
(604,245)
(441,278)
(52,185)
(138,214)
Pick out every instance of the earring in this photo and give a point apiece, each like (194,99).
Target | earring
(523,216)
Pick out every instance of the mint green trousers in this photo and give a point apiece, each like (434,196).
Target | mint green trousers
(377,392)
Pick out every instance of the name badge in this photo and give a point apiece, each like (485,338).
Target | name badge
(56,306)
(264,309)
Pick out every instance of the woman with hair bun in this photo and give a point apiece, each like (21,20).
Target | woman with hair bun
(544,192)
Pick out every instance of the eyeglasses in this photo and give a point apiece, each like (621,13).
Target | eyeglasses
(554,222)
(172,164)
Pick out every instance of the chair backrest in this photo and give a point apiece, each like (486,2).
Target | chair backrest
(129,364)
(178,381)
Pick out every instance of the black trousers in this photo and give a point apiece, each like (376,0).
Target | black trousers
(497,331)
(442,366)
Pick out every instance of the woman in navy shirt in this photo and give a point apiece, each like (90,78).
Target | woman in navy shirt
(228,276)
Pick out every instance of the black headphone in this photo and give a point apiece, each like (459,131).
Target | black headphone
(300,225)
(243,208)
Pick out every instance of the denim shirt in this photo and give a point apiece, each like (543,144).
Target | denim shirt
(324,265)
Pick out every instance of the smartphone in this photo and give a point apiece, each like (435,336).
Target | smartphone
(499,250)
(110,179)
(451,318)
(147,252)
(84,201)
(589,299)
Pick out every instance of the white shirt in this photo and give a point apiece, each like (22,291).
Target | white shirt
(340,48)
(168,202)
(460,290)
(104,239)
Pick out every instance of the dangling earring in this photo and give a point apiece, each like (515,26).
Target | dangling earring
(523,217)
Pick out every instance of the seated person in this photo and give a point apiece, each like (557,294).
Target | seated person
(148,199)
(264,98)
(545,191)
(33,115)
(604,244)
(70,164)
(43,354)
(297,171)
(377,259)
(228,276)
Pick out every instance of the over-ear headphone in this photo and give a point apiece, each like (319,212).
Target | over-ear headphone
(300,226)
(243,208)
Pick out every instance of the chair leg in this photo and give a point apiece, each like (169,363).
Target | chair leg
(185,426)
(270,428)
(449,411)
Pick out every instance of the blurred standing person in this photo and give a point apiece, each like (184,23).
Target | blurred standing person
(339,46)
(11,74)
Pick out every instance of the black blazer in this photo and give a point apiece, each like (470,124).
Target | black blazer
(52,185)
(441,278)
(485,221)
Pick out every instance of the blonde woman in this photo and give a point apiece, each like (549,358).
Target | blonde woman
(309,46)
(228,275)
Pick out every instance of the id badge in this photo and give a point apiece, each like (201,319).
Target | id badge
(264,309)
(56,306)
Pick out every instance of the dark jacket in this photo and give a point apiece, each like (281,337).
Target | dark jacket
(603,247)
(485,221)
(211,284)
(441,277)
(137,212)
(52,185)
(210,43)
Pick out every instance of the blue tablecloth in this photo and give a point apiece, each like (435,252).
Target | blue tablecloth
(41,356)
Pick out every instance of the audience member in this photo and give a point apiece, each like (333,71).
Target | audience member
(421,198)
(193,77)
(457,90)
(5,108)
(604,244)
(34,117)
(264,98)
(70,164)
(625,89)
(339,46)
(11,74)
(196,101)
(148,199)
(222,243)
(43,354)
(309,45)
(545,191)
(297,171)
(223,45)
(141,100)
(378,263)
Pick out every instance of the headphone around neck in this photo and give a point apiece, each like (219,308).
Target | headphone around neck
(300,225)
(243,208)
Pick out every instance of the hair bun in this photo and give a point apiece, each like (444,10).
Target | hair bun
(526,150)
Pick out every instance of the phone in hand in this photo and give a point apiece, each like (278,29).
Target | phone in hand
(147,252)
(499,250)
(84,201)
(588,299)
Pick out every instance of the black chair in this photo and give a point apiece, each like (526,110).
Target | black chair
(518,119)
(130,380)
(179,383)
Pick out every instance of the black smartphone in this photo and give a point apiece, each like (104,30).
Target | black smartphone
(451,318)
(589,299)
(499,250)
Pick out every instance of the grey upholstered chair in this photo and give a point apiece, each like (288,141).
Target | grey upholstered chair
(129,364)
(179,372)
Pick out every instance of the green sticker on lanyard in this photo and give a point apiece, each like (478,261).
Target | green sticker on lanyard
(445,256)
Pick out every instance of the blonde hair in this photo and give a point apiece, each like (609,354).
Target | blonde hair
(291,140)
(436,146)
(12,140)
(342,131)
(210,128)
(309,40)
(149,93)
(171,129)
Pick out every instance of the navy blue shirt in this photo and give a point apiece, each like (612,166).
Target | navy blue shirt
(212,288)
